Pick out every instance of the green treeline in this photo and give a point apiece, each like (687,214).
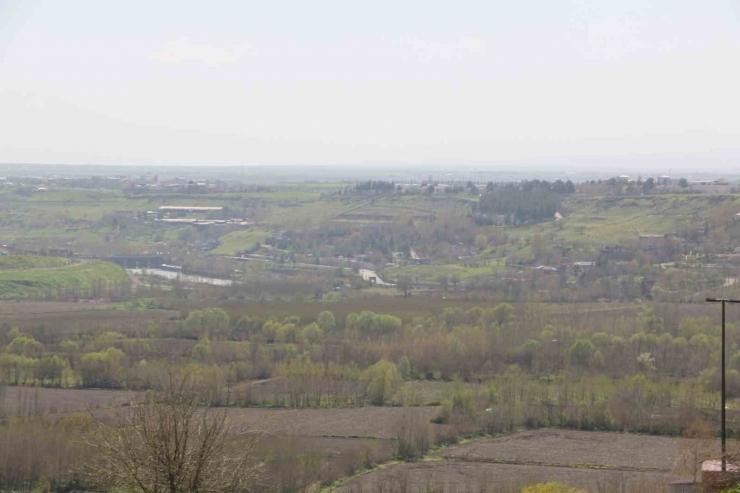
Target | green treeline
(528,201)
(373,186)
(369,358)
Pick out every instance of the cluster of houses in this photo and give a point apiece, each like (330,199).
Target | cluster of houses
(720,186)
(122,182)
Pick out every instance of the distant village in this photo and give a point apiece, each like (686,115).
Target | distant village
(135,184)
(669,184)
(154,184)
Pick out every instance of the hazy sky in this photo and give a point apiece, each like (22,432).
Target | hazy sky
(350,81)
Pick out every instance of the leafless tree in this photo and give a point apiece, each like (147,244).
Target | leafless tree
(169,443)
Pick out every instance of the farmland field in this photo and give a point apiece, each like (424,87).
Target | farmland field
(11,262)
(296,215)
(360,422)
(78,317)
(614,219)
(236,241)
(464,477)
(573,448)
(389,208)
(26,308)
(578,458)
(50,283)
(430,273)
(28,400)
(365,422)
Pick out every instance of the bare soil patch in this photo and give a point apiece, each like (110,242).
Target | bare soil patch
(376,422)
(360,422)
(67,321)
(566,447)
(584,459)
(29,400)
(29,308)
(462,477)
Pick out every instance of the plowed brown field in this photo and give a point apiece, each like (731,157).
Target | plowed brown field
(590,460)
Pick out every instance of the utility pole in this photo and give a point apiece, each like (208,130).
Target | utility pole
(724,301)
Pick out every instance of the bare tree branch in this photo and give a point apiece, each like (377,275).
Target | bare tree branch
(167,442)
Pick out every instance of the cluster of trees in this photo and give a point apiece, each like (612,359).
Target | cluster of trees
(362,357)
(211,323)
(432,237)
(514,399)
(455,189)
(25,362)
(523,203)
(308,384)
(377,187)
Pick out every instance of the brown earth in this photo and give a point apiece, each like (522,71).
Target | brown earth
(30,308)
(376,422)
(30,400)
(62,319)
(359,422)
(564,447)
(464,477)
(580,458)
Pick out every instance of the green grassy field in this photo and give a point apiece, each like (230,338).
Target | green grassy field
(240,240)
(618,219)
(53,283)
(12,262)
(294,216)
(431,273)
(613,220)
(387,208)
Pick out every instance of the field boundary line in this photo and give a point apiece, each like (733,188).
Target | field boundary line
(577,465)
(353,209)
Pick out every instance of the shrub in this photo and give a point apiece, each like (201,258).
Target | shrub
(383,380)
(581,351)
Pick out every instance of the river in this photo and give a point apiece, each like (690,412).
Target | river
(168,274)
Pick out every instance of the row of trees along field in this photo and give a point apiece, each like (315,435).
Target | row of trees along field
(369,358)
